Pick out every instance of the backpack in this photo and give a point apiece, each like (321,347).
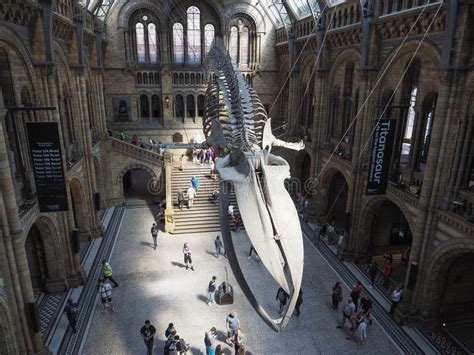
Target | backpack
(173,347)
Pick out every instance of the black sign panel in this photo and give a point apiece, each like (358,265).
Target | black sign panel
(45,150)
(380,156)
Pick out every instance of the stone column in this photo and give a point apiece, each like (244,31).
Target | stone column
(169,212)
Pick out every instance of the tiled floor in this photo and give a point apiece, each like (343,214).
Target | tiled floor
(154,285)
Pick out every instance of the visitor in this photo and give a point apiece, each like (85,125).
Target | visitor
(169,330)
(180,199)
(148,332)
(239,341)
(374,269)
(322,231)
(366,307)
(191,196)
(135,139)
(230,211)
(72,311)
(218,246)
(209,341)
(213,170)
(215,196)
(187,256)
(359,325)
(182,162)
(169,341)
(177,346)
(397,295)
(107,272)
(161,149)
(212,155)
(105,291)
(355,294)
(207,157)
(387,271)
(154,234)
(281,298)
(252,250)
(211,289)
(218,349)
(195,156)
(336,295)
(195,183)
(348,312)
(299,302)
(232,323)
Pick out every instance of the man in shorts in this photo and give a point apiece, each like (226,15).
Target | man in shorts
(105,291)
(232,323)
(187,256)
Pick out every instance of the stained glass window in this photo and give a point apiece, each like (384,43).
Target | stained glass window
(178,43)
(244,46)
(194,35)
(140,33)
(234,43)
(152,47)
(209,35)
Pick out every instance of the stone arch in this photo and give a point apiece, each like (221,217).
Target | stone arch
(307,66)
(46,229)
(79,205)
(368,213)
(7,338)
(330,200)
(428,52)
(437,271)
(350,54)
(247,9)
(127,168)
(129,9)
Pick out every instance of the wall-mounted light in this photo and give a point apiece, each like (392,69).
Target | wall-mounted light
(167,100)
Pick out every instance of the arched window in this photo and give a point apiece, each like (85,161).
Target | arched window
(429,107)
(234,44)
(156,106)
(179,107)
(178,43)
(408,131)
(144,106)
(244,46)
(152,47)
(201,100)
(190,106)
(139,78)
(140,33)
(194,35)
(209,34)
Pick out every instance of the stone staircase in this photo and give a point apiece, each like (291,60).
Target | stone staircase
(204,215)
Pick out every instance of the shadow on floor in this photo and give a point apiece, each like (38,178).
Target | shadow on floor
(181,265)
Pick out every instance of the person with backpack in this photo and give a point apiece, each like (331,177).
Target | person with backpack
(169,330)
(72,310)
(209,341)
(281,298)
(107,272)
(148,332)
(154,234)
(105,291)
(180,199)
(195,183)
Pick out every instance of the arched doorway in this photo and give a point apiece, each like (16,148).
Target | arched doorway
(390,233)
(138,186)
(337,201)
(36,256)
(457,300)
(43,255)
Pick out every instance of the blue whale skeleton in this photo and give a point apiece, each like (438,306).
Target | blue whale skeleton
(235,118)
